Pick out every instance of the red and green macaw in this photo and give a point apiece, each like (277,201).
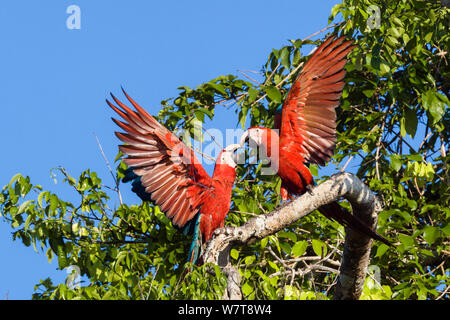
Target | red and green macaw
(166,171)
(307,128)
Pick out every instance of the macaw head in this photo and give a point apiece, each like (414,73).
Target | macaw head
(226,163)
(228,155)
(267,141)
(260,137)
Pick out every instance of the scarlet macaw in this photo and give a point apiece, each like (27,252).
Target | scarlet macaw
(308,128)
(165,171)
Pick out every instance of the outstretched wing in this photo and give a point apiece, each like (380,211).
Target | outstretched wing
(308,120)
(168,169)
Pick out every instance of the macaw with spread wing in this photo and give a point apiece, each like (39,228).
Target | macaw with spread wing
(166,171)
(307,128)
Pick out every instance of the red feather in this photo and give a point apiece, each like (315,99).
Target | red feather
(170,172)
(308,128)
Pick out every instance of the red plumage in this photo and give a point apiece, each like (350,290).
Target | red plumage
(172,176)
(308,127)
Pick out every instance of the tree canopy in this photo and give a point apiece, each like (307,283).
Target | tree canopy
(393,133)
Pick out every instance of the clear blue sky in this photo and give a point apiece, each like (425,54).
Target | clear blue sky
(54,81)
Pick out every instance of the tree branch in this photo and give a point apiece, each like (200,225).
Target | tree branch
(353,269)
(445,3)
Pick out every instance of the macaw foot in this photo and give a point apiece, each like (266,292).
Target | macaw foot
(309,188)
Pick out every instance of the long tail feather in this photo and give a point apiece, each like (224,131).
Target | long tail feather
(195,251)
(334,211)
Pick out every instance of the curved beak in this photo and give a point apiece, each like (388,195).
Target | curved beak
(244,138)
(233,147)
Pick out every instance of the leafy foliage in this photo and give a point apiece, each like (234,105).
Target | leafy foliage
(393,130)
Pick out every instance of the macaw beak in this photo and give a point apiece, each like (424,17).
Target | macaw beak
(232,148)
(244,139)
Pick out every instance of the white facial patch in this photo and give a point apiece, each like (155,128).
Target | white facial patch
(226,157)
(255,136)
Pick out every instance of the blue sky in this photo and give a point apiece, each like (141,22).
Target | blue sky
(54,81)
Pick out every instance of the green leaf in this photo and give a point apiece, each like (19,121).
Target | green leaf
(414,157)
(15,178)
(299,248)
(53,204)
(434,103)
(284,56)
(75,228)
(218,87)
(411,122)
(24,206)
(314,169)
(27,222)
(273,93)
(41,196)
(273,265)
(234,254)
(368,92)
(406,240)
(288,234)
(403,126)
(246,289)
(243,116)
(396,163)
(397,33)
(446,230)
(384,67)
(264,242)
(430,234)
(252,94)
(412,204)
(381,250)
(319,247)
(49,254)
(335,10)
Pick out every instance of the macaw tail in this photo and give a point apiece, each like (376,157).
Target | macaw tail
(336,212)
(196,249)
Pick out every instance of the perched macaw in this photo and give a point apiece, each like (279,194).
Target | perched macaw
(166,171)
(307,127)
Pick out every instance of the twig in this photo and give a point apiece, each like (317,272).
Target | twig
(140,290)
(248,77)
(346,164)
(204,155)
(243,212)
(324,29)
(443,293)
(109,167)
(151,283)
(213,139)
(425,140)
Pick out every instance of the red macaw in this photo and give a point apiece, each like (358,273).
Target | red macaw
(165,171)
(308,128)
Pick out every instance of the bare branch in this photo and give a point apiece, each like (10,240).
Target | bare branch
(353,269)
(116,180)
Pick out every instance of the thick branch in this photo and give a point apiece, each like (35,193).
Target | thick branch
(364,203)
